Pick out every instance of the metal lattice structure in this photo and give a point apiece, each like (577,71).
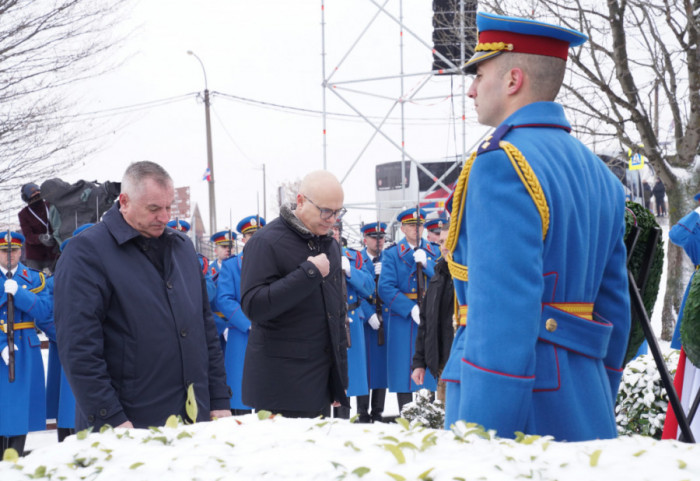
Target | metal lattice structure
(453,37)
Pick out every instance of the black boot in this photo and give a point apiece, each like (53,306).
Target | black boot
(403,398)
(378,397)
(363,409)
(14,442)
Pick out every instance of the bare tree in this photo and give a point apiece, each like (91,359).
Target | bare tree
(636,82)
(45,48)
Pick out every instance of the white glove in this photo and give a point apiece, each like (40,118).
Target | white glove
(377,268)
(345,263)
(420,257)
(697,209)
(373,321)
(11,286)
(415,314)
(225,334)
(5,354)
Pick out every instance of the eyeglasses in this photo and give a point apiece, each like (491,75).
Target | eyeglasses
(326,214)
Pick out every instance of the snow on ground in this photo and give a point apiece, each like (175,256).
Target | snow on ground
(250,448)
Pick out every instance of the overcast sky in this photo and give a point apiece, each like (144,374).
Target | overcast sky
(270,52)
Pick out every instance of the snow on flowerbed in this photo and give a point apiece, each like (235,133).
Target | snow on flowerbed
(257,446)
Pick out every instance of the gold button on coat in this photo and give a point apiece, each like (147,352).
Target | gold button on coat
(550,325)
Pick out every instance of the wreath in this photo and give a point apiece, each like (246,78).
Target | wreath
(640,216)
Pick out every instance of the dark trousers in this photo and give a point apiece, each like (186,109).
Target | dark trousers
(403,398)
(377,402)
(63,433)
(14,442)
(341,412)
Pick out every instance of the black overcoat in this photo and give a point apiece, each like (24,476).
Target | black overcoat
(435,332)
(130,340)
(296,358)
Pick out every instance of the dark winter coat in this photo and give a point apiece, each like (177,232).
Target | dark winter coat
(659,190)
(32,228)
(132,341)
(296,359)
(435,332)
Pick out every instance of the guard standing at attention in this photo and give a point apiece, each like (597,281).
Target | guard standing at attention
(537,231)
(22,400)
(399,290)
(375,328)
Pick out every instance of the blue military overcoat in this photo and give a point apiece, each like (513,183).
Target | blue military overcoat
(360,285)
(539,221)
(23,402)
(398,289)
(230,316)
(131,339)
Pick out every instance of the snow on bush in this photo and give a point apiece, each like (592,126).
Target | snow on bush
(642,400)
(425,412)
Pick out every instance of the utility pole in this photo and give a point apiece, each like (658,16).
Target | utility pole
(210,155)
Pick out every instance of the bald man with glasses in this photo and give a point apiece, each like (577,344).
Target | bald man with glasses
(291,290)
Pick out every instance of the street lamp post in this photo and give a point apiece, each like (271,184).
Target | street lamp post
(210,156)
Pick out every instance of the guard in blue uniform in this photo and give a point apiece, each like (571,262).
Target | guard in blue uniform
(184,226)
(398,289)
(23,401)
(538,231)
(224,243)
(359,284)
(229,316)
(433,227)
(375,327)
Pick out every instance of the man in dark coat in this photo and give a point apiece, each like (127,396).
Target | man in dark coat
(435,332)
(296,358)
(134,326)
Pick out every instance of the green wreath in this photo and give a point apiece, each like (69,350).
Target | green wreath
(690,322)
(636,214)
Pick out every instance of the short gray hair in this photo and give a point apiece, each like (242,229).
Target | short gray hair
(137,172)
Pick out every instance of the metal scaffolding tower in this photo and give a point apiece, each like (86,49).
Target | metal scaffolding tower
(396,103)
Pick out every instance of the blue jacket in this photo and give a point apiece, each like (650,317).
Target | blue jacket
(686,234)
(538,220)
(230,316)
(23,402)
(398,288)
(131,341)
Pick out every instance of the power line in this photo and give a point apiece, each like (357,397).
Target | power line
(313,112)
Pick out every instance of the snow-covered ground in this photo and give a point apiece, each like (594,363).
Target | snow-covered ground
(248,447)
